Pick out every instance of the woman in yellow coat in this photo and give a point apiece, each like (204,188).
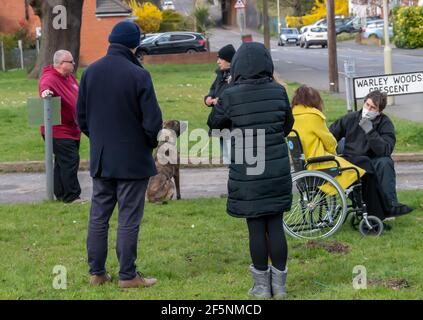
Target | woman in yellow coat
(316,139)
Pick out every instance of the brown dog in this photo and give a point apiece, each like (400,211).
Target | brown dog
(161,187)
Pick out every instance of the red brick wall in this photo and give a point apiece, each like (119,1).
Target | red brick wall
(12,13)
(181,58)
(94,33)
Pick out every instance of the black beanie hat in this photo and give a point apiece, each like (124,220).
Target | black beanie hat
(226,53)
(126,33)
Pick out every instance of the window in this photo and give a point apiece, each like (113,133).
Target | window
(181,37)
(164,38)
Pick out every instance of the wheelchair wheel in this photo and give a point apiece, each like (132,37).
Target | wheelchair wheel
(319,206)
(374,228)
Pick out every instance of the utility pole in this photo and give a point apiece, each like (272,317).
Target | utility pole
(333,60)
(387,51)
(279,18)
(266,31)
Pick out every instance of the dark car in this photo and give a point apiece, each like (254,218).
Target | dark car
(173,42)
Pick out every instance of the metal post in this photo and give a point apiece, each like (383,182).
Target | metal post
(48,150)
(349,68)
(37,43)
(279,18)
(387,51)
(3,64)
(21,53)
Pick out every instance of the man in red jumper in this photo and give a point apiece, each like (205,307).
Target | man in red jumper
(58,80)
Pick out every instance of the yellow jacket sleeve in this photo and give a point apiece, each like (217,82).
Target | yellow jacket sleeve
(327,138)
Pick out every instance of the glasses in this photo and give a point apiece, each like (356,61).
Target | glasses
(73,62)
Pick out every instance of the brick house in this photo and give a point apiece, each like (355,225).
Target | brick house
(98,19)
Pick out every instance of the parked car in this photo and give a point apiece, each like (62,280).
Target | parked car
(168,5)
(348,25)
(314,36)
(173,42)
(374,29)
(288,36)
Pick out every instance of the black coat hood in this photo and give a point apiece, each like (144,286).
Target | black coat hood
(251,61)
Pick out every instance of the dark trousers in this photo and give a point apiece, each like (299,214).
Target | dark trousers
(385,171)
(66,165)
(373,193)
(130,195)
(267,239)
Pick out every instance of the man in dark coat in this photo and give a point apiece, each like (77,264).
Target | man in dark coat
(222,82)
(255,105)
(118,111)
(369,142)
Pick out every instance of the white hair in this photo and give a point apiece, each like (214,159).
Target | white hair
(59,56)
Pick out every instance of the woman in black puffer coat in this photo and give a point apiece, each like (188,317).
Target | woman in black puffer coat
(256,101)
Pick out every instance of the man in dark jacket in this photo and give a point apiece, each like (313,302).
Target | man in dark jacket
(223,75)
(258,106)
(118,111)
(222,82)
(369,142)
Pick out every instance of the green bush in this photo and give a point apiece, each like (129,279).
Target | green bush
(171,21)
(408,27)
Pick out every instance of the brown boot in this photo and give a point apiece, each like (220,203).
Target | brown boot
(98,280)
(138,281)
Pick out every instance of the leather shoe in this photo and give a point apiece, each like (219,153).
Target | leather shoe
(138,281)
(98,280)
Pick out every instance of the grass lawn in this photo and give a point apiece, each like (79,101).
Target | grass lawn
(198,252)
(180,90)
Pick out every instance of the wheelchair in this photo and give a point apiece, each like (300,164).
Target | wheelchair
(320,205)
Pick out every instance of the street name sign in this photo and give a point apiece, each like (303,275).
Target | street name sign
(392,84)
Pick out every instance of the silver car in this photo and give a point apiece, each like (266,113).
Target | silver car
(374,29)
(288,36)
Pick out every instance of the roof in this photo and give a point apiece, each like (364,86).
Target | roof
(112,8)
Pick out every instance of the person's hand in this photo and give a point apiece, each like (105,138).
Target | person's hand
(214,101)
(46,93)
(209,101)
(366,125)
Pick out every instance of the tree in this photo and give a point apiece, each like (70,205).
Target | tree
(61,29)
(148,16)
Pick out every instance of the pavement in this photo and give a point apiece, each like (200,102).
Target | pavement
(195,183)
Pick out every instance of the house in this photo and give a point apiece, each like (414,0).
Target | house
(364,8)
(98,19)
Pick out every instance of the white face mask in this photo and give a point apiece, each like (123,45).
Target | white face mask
(371,115)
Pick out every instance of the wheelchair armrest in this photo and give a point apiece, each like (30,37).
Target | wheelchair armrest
(322,159)
(354,169)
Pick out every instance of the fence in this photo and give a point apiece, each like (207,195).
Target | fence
(17,57)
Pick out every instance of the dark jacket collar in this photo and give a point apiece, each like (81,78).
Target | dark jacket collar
(116,49)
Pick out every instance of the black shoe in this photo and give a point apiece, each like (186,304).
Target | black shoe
(387,227)
(400,209)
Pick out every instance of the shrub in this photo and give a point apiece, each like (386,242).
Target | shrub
(317,12)
(148,16)
(408,27)
(201,14)
(171,21)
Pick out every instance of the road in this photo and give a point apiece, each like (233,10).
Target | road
(310,66)
(195,183)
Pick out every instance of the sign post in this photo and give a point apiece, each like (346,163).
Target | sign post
(395,84)
(240,15)
(46,111)
(349,68)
